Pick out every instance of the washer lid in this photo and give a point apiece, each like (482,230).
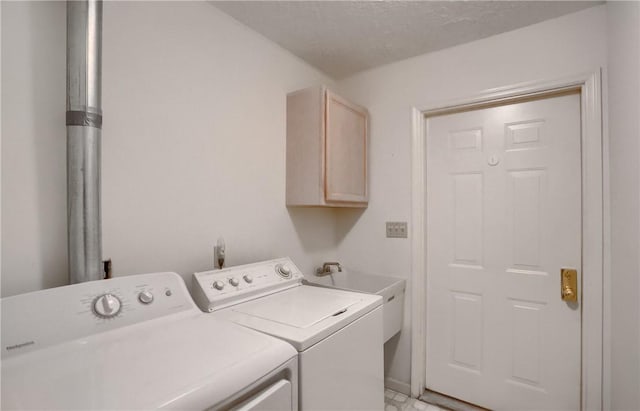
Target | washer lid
(302,307)
(302,315)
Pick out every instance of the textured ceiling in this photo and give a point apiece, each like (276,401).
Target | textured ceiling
(344,37)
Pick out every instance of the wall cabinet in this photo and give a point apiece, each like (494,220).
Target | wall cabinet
(327,139)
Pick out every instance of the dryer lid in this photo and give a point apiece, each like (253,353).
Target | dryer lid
(300,307)
(190,363)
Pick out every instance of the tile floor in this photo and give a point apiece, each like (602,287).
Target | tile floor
(395,401)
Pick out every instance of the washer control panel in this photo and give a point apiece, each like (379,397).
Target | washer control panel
(92,307)
(218,289)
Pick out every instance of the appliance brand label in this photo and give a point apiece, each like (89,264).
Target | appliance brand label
(21,345)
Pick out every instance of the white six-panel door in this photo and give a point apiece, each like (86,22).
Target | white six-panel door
(503,218)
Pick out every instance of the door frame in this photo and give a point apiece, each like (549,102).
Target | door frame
(594,206)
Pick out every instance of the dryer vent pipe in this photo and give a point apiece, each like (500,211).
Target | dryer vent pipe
(84,123)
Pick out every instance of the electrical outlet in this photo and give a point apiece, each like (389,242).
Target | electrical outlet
(397,229)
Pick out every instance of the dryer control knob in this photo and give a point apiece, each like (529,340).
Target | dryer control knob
(248,278)
(107,306)
(218,285)
(145,297)
(234,282)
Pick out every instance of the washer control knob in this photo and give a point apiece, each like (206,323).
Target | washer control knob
(283,270)
(234,282)
(107,306)
(218,285)
(248,278)
(145,297)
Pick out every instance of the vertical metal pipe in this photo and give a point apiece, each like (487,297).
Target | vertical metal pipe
(84,123)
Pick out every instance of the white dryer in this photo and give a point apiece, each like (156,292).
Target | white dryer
(136,342)
(337,333)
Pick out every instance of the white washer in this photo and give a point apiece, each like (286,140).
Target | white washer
(136,342)
(338,334)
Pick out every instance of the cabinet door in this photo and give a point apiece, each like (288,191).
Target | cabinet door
(345,151)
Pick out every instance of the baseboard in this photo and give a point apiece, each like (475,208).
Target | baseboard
(398,386)
(448,403)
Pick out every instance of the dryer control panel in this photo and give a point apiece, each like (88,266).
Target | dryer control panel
(218,289)
(49,317)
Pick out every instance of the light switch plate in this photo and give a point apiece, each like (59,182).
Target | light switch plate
(397,229)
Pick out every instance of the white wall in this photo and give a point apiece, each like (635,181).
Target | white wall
(565,46)
(623,21)
(193,143)
(33,142)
